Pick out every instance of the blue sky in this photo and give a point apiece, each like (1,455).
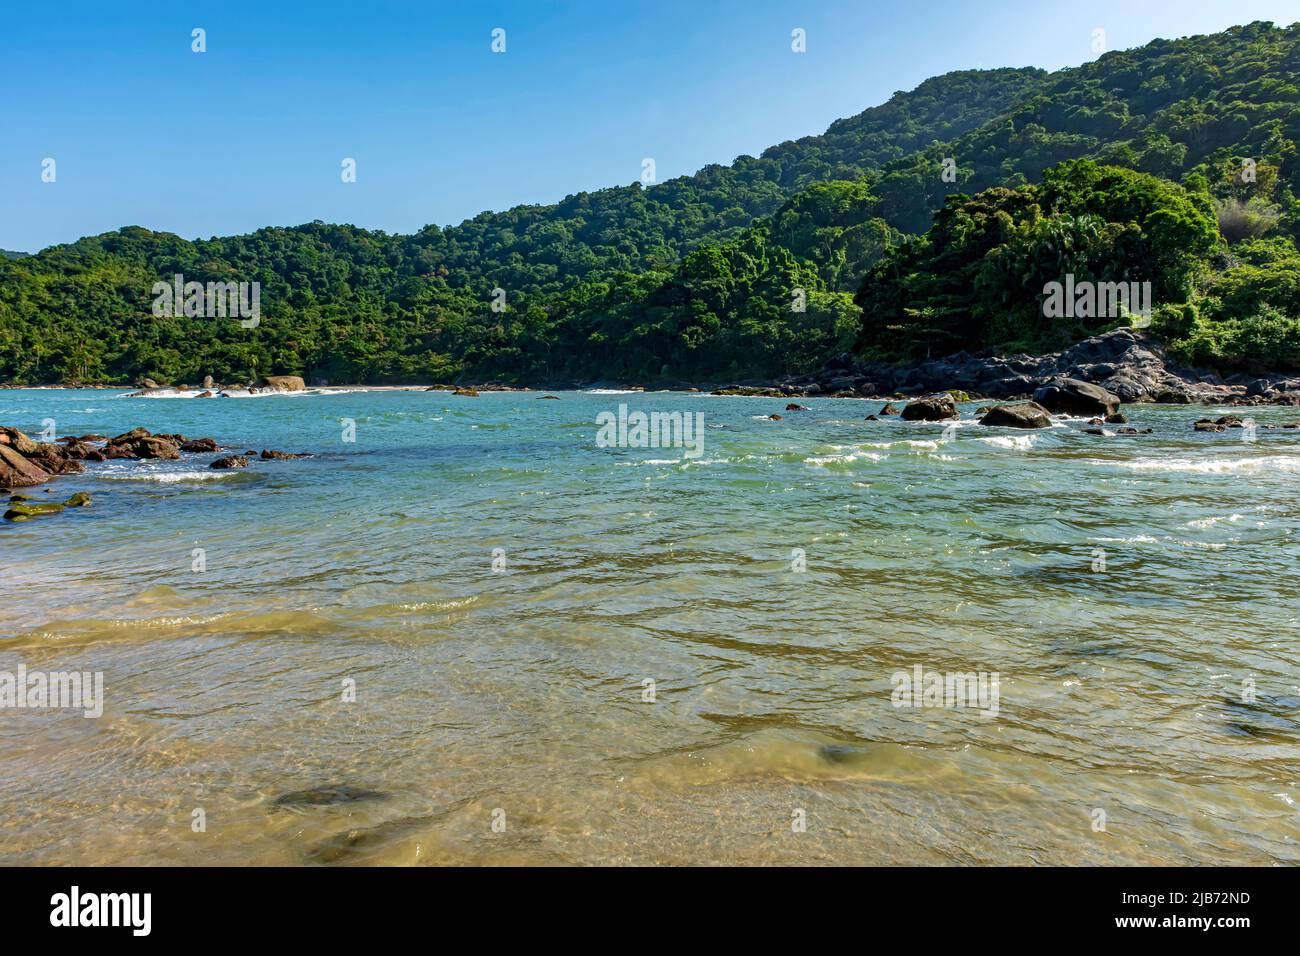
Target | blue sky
(251,133)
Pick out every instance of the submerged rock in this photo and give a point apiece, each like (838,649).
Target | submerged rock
(1018,415)
(23,512)
(327,796)
(932,408)
(548,398)
(842,753)
(19,510)
(466,392)
(230,461)
(1205,425)
(796,407)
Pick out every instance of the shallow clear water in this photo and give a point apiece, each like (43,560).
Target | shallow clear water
(517,695)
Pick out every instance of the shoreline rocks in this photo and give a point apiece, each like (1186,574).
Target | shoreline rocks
(282,383)
(1128,363)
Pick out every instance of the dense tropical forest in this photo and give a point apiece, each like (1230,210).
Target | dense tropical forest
(917,228)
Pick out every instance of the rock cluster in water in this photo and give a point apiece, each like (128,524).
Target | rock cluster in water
(25,462)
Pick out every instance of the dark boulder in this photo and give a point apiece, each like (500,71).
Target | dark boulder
(195,445)
(230,461)
(1070,396)
(272,455)
(1019,415)
(932,408)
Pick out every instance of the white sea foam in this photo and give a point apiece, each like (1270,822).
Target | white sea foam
(917,443)
(1211,522)
(170,477)
(1282,464)
(1013,442)
(821,461)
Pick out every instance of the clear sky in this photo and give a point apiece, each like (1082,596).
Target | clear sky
(144,131)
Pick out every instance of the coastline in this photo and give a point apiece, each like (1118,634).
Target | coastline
(1127,362)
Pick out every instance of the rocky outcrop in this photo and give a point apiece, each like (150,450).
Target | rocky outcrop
(1128,363)
(199,445)
(283,383)
(17,472)
(1018,415)
(931,408)
(230,461)
(141,447)
(1070,396)
(51,458)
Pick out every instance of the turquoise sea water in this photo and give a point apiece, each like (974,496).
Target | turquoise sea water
(1135,596)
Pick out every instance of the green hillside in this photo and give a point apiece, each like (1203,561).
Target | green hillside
(751,270)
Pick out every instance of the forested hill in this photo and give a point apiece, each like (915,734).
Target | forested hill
(697,278)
